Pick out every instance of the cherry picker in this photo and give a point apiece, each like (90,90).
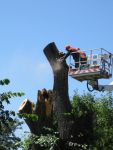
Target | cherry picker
(98,64)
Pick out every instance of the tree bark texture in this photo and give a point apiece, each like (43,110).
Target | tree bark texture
(61,102)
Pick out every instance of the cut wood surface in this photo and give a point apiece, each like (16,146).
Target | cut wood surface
(43,109)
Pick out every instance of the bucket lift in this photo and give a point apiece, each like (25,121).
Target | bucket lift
(98,66)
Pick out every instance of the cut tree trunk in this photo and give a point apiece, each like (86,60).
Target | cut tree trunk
(61,102)
(43,109)
(56,102)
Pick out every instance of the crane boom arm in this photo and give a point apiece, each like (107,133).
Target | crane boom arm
(105,87)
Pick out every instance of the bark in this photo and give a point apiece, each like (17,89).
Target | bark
(61,102)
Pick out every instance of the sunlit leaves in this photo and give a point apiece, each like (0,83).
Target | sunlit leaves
(45,142)
(33,117)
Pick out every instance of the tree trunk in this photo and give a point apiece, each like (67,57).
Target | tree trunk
(61,102)
(52,102)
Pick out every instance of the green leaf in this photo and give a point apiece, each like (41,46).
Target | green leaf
(4,82)
(33,117)
(20,94)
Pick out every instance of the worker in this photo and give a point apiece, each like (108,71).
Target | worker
(77,55)
(83,57)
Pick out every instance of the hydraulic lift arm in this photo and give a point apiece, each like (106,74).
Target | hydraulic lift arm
(93,85)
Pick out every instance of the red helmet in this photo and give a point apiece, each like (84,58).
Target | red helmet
(67,47)
(78,49)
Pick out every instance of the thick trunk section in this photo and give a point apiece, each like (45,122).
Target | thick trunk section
(61,103)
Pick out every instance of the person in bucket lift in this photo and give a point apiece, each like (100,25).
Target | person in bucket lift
(77,55)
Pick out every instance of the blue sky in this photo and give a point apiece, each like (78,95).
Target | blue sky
(26,27)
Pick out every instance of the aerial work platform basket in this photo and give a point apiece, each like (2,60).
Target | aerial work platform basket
(98,66)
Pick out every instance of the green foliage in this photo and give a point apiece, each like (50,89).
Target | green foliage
(81,105)
(8,121)
(4,82)
(103,129)
(47,142)
(94,118)
(83,112)
(33,117)
(43,142)
(75,146)
(4,97)
(93,126)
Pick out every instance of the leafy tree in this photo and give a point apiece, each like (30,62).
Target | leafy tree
(94,117)
(93,128)
(83,111)
(103,129)
(8,122)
